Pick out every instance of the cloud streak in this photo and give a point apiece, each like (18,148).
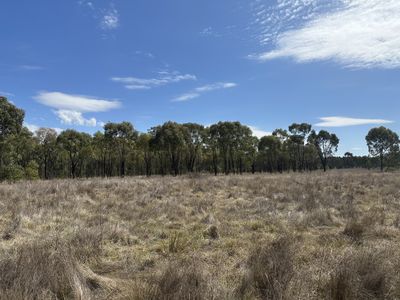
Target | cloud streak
(30,68)
(163,78)
(197,92)
(79,103)
(70,108)
(353,33)
(344,122)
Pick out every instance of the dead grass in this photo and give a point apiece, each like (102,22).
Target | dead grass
(288,236)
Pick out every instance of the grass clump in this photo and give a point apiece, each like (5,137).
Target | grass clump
(270,270)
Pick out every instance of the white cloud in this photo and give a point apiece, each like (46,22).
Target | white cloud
(259,132)
(70,108)
(70,117)
(215,86)
(186,97)
(33,128)
(145,54)
(76,102)
(204,89)
(164,78)
(110,19)
(354,33)
(86,3)
(343,122)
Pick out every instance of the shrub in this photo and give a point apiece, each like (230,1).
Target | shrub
(12,173)
(32,171)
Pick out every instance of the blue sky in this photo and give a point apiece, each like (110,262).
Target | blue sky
(78,63)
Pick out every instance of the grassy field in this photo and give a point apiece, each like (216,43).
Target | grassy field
(290,236)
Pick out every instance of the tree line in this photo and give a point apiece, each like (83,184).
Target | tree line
(175,149)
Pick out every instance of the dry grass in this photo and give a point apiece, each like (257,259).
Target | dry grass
(291,236)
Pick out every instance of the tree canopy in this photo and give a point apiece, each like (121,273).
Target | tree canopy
(173,148)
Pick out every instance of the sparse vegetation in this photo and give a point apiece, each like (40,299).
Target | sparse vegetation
(288,236)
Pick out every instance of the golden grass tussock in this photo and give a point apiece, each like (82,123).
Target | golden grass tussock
(289,236)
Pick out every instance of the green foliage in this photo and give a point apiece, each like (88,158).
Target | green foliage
(12,172)
(11,118)
(32,171)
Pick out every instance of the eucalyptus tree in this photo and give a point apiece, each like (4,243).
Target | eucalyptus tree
(121,136)
(269,148)
(326,144)
(47,150)
(101,151)
(143,146)
(298,137)
(170,139)
(382,142)
(232,140)
(11,119)
(195,136)
(74,144)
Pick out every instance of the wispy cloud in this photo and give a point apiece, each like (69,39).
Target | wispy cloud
(145,54)
(197,92)
(209,32)
(186,97)
(163,78)
(70,108)
(110,19)
(86,3)
(2,93)
(259,132)
(354,33)
(30,67)
(344,121)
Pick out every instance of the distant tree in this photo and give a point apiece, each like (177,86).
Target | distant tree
(382,142)
(299,133)
(269,148)
(195,136)
(348,160)
(326,144)
(253,152)
(232,140)
(143,144)
(211,147)
(122,136)
(169,139)
(74,143)
(47,149)
(101,151)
